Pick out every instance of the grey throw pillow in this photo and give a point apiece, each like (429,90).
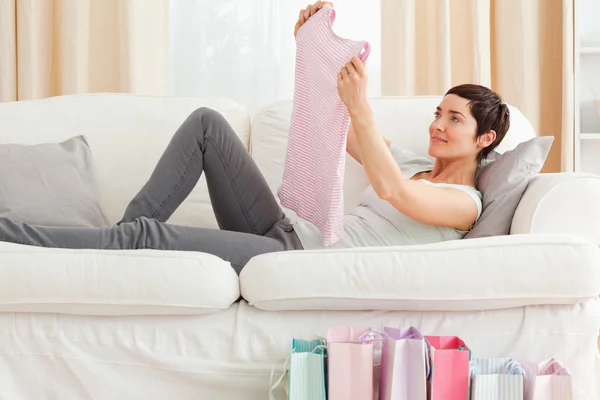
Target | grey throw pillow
(502,182)
(50,184)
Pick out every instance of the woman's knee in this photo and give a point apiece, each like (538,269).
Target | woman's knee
(140,233)
(206,122)
(206,115)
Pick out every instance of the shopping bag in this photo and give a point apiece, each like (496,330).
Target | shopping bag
(304,371)
(449,362)
(547,380)
(496,379)
(404,365)
(350,363)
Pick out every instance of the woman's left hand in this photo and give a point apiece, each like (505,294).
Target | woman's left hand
(352,84)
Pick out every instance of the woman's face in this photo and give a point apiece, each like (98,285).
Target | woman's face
(453,129)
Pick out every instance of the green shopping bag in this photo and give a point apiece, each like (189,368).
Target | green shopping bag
(304,371)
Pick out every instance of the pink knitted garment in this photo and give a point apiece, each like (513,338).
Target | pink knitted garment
(313,175)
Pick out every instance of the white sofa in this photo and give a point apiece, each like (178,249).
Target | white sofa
(144,324)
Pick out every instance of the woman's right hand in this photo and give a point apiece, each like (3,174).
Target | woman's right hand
(308,12)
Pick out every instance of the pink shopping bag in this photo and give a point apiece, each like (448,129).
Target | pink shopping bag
(349,363)
(404,365)
(449,358)
(547,380)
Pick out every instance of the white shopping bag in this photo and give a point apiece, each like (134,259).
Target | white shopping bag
(496,379)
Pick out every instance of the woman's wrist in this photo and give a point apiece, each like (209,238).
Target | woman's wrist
(360,110)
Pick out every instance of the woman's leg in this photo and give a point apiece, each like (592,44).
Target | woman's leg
(145,233)
(205,142)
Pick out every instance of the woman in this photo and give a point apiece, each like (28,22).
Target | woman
(410,200)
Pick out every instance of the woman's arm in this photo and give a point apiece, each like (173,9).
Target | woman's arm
(352,147)
(422,202)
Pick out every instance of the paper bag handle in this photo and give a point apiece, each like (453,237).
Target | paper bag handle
(473,369)
(513,368)
(320,347)
(561,368)
(369,336)
(273,386)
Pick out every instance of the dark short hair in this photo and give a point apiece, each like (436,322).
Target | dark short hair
(488,109)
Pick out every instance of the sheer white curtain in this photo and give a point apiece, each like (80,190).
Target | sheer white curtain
(245,49)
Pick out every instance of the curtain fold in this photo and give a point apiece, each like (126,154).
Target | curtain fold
(8,50)
(522,49)
(56,47)
(567,139)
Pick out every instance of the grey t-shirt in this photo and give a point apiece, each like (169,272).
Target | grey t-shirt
(375,222)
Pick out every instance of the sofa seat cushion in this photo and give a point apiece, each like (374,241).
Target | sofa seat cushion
(468,274)
(114,282)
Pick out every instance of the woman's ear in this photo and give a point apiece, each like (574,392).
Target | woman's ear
(486,139)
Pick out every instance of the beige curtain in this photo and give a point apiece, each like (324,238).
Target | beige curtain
(55,47)
(521,48)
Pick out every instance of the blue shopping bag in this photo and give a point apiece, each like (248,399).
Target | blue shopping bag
(304,371)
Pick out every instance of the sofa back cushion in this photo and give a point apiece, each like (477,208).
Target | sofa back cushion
(126,133)
(404,120)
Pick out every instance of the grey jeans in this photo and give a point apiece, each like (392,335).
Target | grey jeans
(250,219)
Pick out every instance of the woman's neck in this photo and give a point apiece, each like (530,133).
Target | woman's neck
(458,172)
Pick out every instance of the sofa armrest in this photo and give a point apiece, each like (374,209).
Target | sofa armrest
(567,203)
